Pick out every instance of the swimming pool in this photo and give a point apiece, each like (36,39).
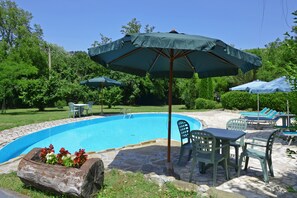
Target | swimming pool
(99,134)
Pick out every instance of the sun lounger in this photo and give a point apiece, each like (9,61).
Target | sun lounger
(264,111)
(269,115)
(271,119)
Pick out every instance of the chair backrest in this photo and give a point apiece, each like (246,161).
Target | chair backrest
(272,114)
(90,104)
(184,130)
(203,143)
(237,124)
(71,106)
(269,144)
(264,110)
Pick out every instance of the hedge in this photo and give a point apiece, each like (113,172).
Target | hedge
(244,100)
(201,103)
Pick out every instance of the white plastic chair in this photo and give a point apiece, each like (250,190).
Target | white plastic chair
(72,109)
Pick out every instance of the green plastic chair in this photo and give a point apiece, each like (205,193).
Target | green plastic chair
(263,156)
(205,150)
(239,125)
(184,130)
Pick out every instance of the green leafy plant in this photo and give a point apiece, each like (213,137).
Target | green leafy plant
(67,161)
(201,103)
(51,158)
(60,104)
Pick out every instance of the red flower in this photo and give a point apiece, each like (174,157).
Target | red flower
(80,158)
(45,151)
(63,152)
(80,155)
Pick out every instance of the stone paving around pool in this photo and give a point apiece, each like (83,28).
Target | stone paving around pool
(150,157)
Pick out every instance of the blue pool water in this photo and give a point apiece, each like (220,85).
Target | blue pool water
(99,134)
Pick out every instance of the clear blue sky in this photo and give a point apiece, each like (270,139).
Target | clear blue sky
(246,24)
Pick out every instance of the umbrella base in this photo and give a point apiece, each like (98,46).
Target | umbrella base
(169,171)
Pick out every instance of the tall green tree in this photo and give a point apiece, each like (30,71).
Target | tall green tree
(203,88)
(12,20)
(134,26)
(189,89)
(22,57)
(12,75)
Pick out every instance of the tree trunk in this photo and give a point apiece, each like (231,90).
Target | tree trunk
(85,181)
(3,109)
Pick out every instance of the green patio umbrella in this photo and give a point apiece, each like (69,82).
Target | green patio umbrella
(99,83)
(173,55)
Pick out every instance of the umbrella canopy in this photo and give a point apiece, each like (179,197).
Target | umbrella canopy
(173,55)
(277,85)
(150,52)
(99,83)
(248,86)
(280,84)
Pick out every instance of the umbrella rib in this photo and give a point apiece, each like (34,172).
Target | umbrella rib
(125,55)
(190,63)
(183,54)
(154,62)
(160,51)
(222,59)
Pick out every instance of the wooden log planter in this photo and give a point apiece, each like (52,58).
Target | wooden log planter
(85,181)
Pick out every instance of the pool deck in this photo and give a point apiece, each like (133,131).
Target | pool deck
(150,158)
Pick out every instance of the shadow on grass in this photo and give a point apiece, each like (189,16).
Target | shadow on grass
(107,113)
(32,112)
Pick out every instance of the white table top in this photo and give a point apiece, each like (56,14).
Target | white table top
(80,105)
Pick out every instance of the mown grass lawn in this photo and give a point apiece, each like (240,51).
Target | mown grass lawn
(116,184)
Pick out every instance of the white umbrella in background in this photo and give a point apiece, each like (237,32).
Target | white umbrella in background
(281,84)
(247,87)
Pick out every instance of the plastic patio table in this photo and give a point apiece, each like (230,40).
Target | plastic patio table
(286,119)
(226,136)
(81,109)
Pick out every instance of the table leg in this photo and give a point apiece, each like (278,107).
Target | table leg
(226,152)
(284,120)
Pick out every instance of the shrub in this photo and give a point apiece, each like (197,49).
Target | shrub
(244,100)
(239,100)
(276,101)
(60,104)
(111,96)
(189,91)
(201,103)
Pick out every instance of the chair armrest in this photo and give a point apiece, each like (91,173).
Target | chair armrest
(253,144)
(259,139)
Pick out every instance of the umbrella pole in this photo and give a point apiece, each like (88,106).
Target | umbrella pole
(288,112)
(101,100)
(258,106)
(170,170)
